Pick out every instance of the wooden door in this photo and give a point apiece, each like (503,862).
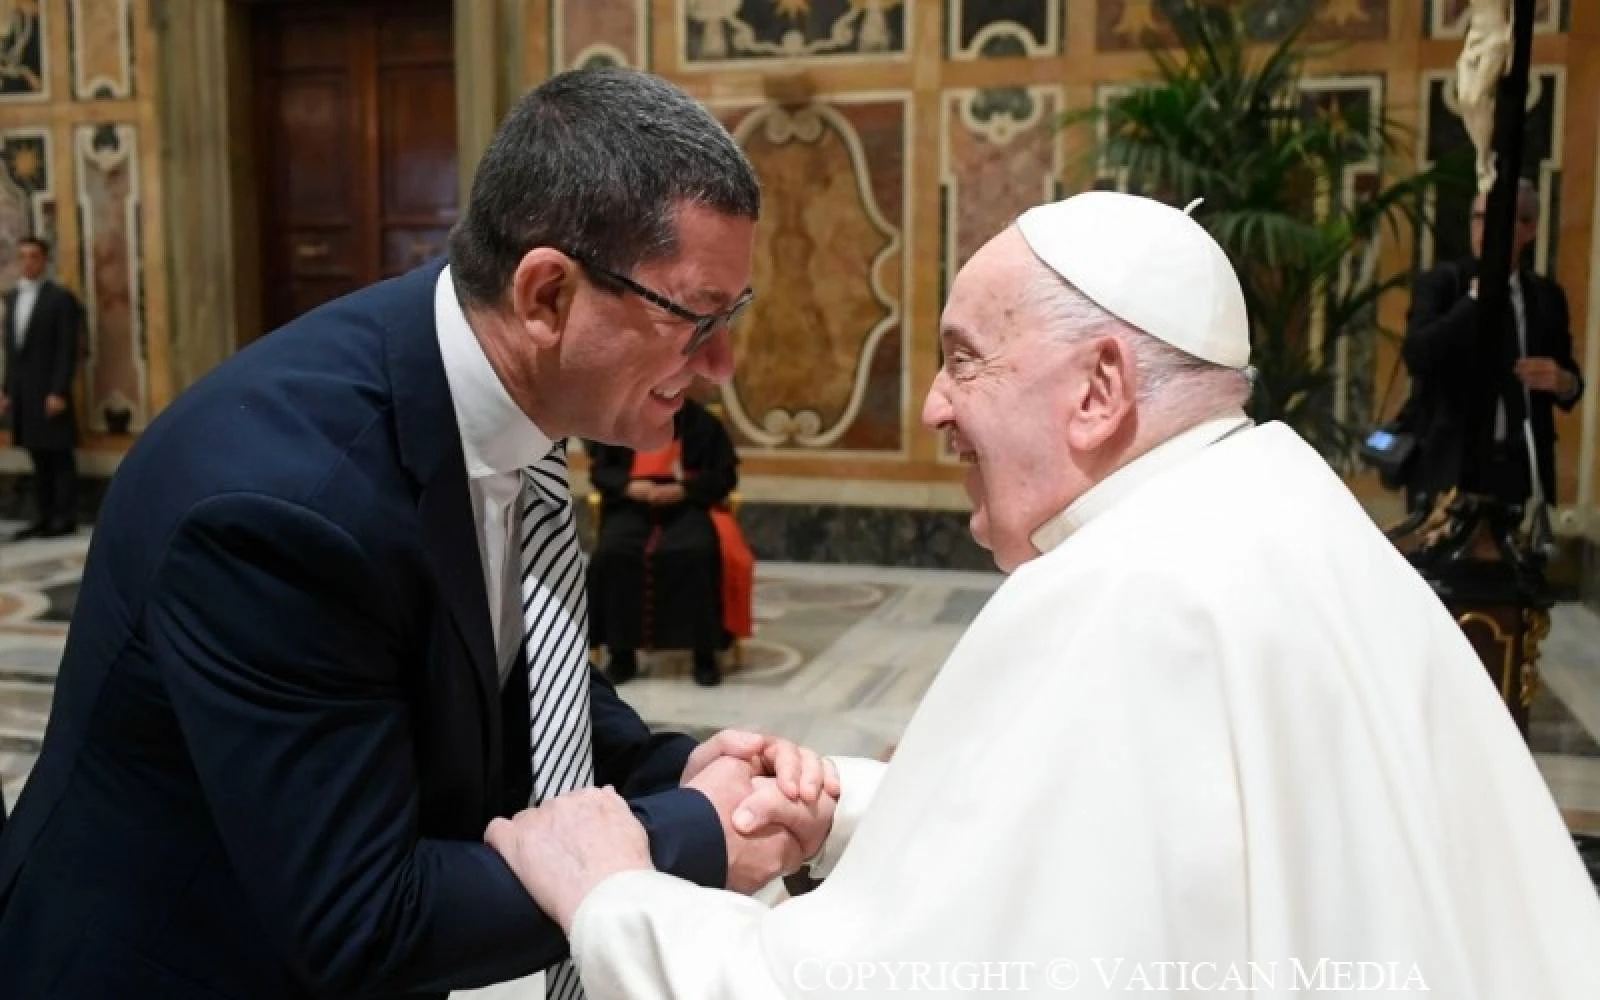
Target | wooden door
(356,141)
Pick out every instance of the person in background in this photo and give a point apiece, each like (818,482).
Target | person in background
(656,576)
(1536,373)
(43,329)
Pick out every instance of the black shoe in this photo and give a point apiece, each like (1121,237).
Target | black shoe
(32,531)
(624,666)
(59,531)
(706,673)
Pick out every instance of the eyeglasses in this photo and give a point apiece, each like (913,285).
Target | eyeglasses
(705,324)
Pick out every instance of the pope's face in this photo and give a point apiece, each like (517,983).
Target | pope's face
(1003,400)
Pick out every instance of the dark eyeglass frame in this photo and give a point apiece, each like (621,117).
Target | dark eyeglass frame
(705,324)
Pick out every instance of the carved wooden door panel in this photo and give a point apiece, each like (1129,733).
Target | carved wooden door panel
(356,145)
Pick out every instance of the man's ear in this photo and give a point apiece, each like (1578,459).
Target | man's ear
(542,289)
(1102,406)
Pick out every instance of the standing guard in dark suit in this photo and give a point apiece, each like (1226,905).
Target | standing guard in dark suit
(332,624)
(1538,372)
(42,335)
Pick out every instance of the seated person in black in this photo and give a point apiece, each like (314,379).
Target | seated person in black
(655,576)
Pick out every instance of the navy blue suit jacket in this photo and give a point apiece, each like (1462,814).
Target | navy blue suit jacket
(278,731)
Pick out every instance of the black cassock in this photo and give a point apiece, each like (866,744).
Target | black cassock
(655,576)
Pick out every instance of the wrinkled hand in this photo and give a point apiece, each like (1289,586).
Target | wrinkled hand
(752,861)
(640,490)
(666,494)
(561,850)
(54,405)
(1545,374)
(799,770)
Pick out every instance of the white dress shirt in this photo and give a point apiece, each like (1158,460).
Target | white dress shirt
(498,441)
(27,298)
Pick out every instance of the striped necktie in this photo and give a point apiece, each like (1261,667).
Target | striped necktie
(555,617)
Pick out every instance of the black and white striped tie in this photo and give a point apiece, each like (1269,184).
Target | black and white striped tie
(555,617)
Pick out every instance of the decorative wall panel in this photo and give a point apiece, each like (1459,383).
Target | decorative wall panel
(1448,18)
(23,63)
(109,221)
(820,353)
(1123,25)
(1001,29)
(1442,133)
(1000,156)
(717,32)
(599,32)
(102,49)
(27,195)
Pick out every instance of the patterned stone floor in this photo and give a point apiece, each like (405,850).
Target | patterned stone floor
(840,659)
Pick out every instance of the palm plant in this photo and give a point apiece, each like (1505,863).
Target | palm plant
(1297,192)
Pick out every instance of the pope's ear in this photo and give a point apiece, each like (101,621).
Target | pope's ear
(542,291)
(1105,401)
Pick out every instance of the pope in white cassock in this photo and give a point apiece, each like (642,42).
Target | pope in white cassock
(1213,733)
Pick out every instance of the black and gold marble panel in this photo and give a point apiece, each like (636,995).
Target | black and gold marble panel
(1444,135)
(22,51)
(716,32)
(1133,24)
(1003,29)
(27,195)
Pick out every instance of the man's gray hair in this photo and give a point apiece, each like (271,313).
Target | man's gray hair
(1164,376)
(595,163)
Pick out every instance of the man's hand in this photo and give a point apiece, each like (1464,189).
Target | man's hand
(54,406)
(561,850)
(666,494)
(640,490)
(753,861)
(1544,374)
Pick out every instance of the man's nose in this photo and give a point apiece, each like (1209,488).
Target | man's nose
(713,361)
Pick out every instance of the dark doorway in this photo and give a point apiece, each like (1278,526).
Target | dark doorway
(355,144)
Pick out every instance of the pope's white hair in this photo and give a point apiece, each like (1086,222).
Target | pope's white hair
(1164,377)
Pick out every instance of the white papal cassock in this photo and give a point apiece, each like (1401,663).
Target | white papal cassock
(1220,721)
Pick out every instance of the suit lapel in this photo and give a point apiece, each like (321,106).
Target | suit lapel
(430,447)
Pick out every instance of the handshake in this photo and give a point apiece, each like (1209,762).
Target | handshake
(775,801)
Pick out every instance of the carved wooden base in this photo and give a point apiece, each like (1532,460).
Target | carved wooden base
(1507,636)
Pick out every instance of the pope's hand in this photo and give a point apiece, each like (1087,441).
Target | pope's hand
(767,811)
(561,850)
(799,770)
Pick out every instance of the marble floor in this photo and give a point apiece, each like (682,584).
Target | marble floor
(840,658)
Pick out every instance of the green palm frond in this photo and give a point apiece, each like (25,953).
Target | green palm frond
(1225,120)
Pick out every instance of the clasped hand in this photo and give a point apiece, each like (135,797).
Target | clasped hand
(655,494)
(775,801)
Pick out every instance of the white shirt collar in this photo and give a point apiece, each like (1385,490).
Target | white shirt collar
(496,436)
(1120,484)
(29,284)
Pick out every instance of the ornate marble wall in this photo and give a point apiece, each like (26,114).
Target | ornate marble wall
(79,147)
(894,136)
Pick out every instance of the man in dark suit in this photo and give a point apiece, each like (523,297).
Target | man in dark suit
(297,684)
(1538,372)
(43,321)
